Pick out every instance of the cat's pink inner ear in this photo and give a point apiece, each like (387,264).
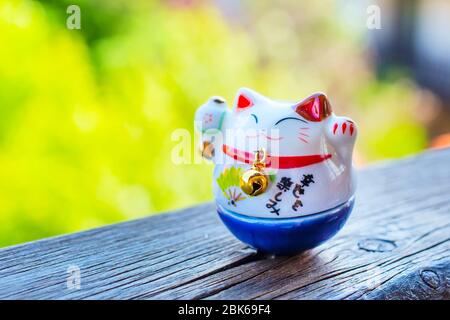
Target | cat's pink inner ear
(243,102)
(314,108)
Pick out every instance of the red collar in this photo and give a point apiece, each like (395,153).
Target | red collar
(285,162)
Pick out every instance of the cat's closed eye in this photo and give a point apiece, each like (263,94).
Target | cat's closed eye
(290,118)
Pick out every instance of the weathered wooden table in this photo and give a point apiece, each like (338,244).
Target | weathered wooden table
(396,245)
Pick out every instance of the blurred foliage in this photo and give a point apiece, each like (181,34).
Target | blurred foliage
(86,115)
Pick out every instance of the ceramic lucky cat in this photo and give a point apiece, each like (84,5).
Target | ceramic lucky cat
(308,163)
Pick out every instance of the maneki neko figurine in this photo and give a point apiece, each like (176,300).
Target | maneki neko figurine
(283,175)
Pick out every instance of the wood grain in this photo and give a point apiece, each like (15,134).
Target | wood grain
(396,245)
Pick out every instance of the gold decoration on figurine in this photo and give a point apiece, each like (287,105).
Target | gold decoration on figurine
(254,181)
(207,150)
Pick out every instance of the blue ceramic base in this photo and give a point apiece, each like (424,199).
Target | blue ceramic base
(290,235)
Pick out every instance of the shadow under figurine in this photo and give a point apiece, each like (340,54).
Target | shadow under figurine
(283,175)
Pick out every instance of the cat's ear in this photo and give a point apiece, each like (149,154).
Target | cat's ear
(314,108)
(245,98)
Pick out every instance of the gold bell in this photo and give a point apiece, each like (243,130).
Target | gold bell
(254,181)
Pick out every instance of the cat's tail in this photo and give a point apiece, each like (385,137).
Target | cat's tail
(209,119)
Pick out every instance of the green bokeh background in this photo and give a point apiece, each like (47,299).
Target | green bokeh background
(86,116)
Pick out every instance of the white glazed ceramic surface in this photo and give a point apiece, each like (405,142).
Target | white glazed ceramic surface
(313,145)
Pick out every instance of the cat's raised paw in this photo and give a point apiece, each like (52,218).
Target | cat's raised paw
(344,127)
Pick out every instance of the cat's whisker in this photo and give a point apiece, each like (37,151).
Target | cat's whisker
(304,140)
(304,134)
